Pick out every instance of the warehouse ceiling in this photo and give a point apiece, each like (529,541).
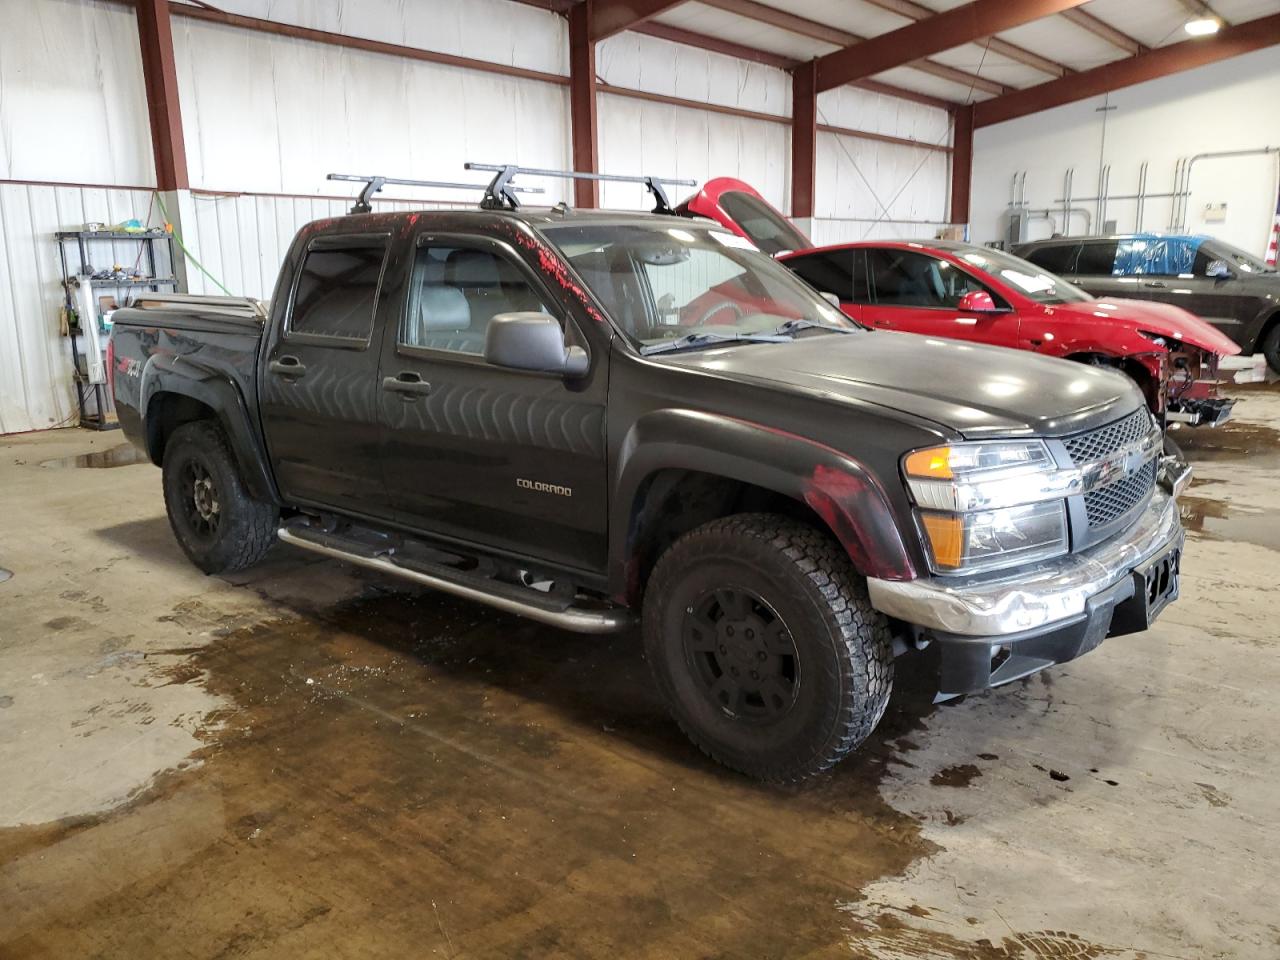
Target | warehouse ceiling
(1080,37)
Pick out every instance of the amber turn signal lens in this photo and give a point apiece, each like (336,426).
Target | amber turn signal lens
(934,463)
(946,538)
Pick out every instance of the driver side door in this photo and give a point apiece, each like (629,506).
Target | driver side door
(509,459)
(915,292)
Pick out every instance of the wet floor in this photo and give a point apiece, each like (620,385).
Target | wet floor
(121,455)
(322,763)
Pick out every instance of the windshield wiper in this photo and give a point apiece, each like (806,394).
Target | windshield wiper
(800,323)
(708,339)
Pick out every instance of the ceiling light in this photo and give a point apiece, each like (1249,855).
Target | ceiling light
(1202,26)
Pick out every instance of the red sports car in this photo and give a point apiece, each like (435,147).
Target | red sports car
(943,288)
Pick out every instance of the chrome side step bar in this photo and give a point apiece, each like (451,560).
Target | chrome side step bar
(495,593)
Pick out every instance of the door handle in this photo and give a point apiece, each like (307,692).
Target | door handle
(287,366)
(1155,283)
(407,383)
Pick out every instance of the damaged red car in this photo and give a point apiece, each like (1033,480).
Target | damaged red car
(957,290)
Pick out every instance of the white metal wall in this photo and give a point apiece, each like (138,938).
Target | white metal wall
(1231,105)
(266,116)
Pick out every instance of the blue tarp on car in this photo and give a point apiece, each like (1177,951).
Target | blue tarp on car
(1155,255)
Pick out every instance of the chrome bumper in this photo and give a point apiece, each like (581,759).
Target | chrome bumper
(1056,591)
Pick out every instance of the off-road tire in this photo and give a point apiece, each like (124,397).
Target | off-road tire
(1270,347)
(245,528)
(842,644)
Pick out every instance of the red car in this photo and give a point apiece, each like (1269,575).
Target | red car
(944,288)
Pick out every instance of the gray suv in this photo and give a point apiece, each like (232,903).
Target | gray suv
(1222,284)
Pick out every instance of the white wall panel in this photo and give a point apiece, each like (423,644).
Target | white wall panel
(1230,105)
(72,103)
(859,109)
(496,30)
(273,114)
(645,138)
(36,388)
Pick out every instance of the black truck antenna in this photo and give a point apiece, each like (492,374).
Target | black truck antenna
(500,194)
(372,184)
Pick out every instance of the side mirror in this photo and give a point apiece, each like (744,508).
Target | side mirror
(1218,270)
(532,341)
(830,297)
(977,301)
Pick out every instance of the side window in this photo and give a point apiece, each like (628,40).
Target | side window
(457,288)
(830,272)
(1055,258)
(901,278)
(1096,259)
(1154,256)
(338,290)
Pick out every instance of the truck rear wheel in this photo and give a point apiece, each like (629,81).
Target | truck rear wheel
(765,646)
(217,524)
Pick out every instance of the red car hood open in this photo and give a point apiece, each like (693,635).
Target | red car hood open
(1163,318)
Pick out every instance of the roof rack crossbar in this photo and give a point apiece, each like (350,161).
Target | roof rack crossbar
(374,183)
(500,194)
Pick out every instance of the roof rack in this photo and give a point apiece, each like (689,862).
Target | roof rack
(372,184)
(500,194)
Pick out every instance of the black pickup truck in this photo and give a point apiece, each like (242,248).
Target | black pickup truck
(593,419)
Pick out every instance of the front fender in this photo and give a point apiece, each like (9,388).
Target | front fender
(839,489)
(188,377)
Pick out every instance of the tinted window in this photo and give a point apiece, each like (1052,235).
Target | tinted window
(1054,257)
(768,229)
(338,290)
(1096,259)
(826,272)
(901,278)
(457,289)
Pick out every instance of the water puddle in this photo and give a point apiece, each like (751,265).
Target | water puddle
(1223,521)
(121,455)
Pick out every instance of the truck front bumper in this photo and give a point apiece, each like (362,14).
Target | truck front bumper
(992,631)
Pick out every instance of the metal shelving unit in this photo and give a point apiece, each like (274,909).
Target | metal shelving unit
(101,417)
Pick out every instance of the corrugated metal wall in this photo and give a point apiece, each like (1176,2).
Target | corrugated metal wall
(266,117)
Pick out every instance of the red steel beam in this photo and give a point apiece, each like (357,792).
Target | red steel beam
(715,44)
(1160,62)
(613,16)
(582,104)
(883,138)
(160,76)
(804,138)
(961,163)
(943,31)
(825,33)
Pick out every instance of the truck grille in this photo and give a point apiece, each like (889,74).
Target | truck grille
(1108,504)
(1087,447)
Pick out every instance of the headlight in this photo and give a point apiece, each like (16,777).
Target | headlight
(982,506)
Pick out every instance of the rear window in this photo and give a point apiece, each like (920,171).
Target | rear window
(338,290)
(1054,257)
(767,229)
(830,272)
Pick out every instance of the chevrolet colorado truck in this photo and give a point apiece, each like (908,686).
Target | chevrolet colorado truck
(529,408)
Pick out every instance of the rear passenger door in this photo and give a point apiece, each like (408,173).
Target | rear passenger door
(509,459)
(319,380)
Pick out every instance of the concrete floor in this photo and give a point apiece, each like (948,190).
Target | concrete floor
(301,761)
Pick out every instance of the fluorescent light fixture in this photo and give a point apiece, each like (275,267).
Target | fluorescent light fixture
(1202,26)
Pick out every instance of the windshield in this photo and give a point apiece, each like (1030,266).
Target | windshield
(1245,262)
(696,285)
(1025,277)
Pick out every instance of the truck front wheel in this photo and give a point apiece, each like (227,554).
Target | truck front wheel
(765,646)
(217,524)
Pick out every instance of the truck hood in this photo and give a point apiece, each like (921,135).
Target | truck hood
(971,389)
(1166,319)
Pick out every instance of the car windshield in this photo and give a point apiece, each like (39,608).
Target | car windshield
(1245,262)
(1025,277)
(686,286)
